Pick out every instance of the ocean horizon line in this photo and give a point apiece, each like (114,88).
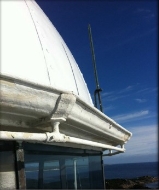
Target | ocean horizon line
(129,163)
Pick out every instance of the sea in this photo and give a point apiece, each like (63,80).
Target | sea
(132,170)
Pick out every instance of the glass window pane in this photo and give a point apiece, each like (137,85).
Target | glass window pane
(96,172)
(32,172)
(69,173)
(77,171)
(51,175)
(83,173)
(63,169)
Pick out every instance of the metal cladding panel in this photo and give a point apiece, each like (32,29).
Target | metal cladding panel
(33,50)
(21,53)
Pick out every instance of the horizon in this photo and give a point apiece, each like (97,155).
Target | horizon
(125,43)
(130,163)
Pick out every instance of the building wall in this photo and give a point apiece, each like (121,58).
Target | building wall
(7,168)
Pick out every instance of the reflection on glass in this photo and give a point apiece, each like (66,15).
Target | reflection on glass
(51,175)
(63,169)
(77,174)
(31,172)
(69,173)
(96,173)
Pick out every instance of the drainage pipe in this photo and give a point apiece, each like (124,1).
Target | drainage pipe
(53,137)
(22,136)
(113,153)
(96,144)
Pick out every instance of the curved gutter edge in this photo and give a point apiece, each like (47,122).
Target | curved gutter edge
(102,115)
(99,114)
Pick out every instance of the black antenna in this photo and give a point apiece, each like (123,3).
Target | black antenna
(98,89)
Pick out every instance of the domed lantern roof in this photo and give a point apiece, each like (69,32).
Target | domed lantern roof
(32,49)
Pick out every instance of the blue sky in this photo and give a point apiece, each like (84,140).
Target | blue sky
(125,42)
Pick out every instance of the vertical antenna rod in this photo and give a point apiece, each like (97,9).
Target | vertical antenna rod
(98,89)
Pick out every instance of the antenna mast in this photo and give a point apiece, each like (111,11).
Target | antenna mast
(98,89)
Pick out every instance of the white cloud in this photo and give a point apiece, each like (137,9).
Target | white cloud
(115,97)
(112,96)
(127,89)
(130,116)
(143,141)
(107,108)
(147,90)
(133,38)
(142,147)
(140,100)
(139,10)
(105,94)
(145,13)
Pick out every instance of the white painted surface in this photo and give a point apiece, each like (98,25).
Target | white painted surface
(32,49)
(7,173)
(30,107)
(53,137)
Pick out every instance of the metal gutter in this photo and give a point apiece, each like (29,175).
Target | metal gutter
(32,106)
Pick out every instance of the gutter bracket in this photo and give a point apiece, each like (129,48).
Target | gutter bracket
(63,108)
(55,135)
(61,111)
(116,152)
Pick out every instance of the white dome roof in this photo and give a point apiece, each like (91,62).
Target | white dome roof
(32,49)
